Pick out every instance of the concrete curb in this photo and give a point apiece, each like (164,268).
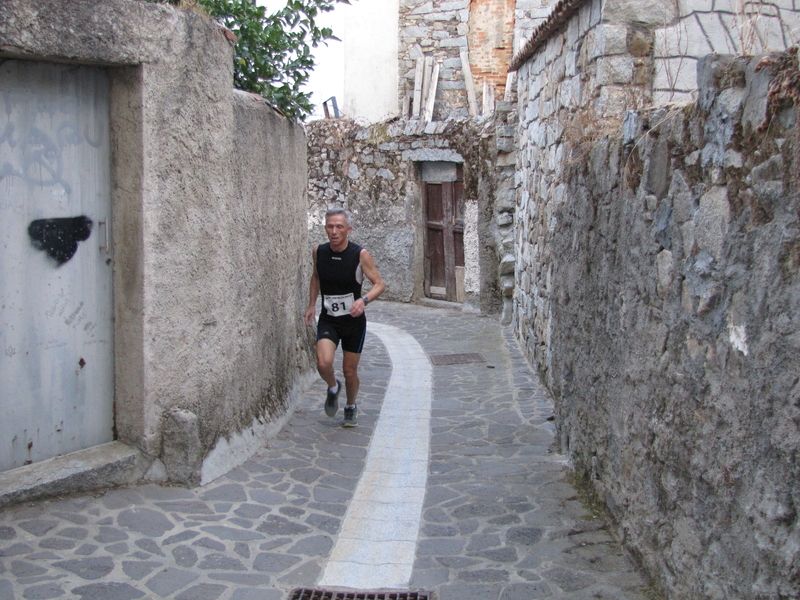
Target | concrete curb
(100,467)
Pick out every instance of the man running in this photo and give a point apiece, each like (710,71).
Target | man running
(339,269)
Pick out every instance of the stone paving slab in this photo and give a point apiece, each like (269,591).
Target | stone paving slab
(499,520)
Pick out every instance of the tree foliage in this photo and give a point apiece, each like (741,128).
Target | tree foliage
(273,54)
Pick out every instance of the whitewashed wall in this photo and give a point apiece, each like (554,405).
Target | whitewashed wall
(703,27)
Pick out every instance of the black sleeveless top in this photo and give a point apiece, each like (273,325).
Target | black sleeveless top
(340,279)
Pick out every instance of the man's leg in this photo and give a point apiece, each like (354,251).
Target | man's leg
(351,380)
(326,349)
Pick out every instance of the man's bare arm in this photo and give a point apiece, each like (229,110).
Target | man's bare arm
(313,293)
(378,287)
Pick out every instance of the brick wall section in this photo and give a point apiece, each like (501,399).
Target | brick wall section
(491,39)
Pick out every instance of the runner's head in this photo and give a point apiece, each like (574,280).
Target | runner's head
(339,211)
(337,228)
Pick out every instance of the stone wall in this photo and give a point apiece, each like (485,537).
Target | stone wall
(528,15)
(208,229)
(656,281)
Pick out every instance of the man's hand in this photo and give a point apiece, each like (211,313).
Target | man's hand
(309,316)
(357,308)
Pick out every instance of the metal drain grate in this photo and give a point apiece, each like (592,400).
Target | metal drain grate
(456,359)
(307,594)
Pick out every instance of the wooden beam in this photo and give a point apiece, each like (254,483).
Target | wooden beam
(431,99)
(426,84)
(488,98)
(418,77)
(511,79)
(466,70)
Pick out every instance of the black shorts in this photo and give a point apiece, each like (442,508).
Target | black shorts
(351,331)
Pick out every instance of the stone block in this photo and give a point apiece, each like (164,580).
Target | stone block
(686,38)
(424,8)
(414,32)
(614,69)
(441,16)
(755,104)
(688,7)
(507,264)
(571,64)
(612,101)
(632,126)
(456,5)
(505,145)
(664,272)
(675,74)
(689,243)
(610,39)
(721,39)
(571,92)
(682,198)
(460,42)
(650,12)
(712,220)
(181,451)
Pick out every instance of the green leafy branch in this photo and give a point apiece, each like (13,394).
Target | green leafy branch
(273,53)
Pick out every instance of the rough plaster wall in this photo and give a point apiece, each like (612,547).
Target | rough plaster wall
(659,305)
(190,336)
(207,290)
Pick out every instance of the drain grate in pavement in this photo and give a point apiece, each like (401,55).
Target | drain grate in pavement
(307,594)
(456,359)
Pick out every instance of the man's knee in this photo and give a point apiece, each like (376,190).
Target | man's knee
(350,371)
(326,350)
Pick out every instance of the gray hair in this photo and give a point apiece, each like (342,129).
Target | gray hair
(340,211)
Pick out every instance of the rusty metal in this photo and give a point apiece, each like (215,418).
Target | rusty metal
(439,360)
(310,594)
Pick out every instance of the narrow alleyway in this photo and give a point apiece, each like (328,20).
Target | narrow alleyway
(447,486)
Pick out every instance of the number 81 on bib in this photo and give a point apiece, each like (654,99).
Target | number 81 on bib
(338,306)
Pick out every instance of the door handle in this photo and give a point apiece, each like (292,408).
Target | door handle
(104,223)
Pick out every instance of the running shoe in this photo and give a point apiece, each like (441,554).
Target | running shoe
(350,416)
(332,401)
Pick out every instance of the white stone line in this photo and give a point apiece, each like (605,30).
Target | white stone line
(378,539)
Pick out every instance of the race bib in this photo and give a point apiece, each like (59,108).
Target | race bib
(338,306)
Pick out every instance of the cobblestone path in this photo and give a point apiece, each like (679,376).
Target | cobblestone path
(498,519)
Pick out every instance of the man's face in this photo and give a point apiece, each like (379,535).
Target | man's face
(337,230)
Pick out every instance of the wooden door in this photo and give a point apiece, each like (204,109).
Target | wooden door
(444,237)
